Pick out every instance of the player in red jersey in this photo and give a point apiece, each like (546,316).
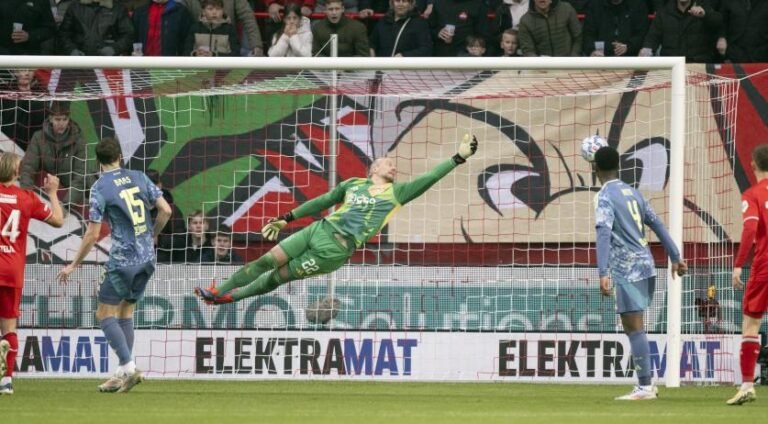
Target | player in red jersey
(754,210)
(17,207)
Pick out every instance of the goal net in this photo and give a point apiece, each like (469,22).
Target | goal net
(490,275)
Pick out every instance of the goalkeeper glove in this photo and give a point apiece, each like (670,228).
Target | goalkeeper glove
(467,148)
(274,226)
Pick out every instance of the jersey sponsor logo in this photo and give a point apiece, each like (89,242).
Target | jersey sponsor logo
(360,199)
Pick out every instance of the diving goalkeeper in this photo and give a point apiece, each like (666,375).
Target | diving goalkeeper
(327,244)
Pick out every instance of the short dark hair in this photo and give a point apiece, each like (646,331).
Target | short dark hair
(607,159)
(474,40)
(153,176)
(108,151)
(760,157)
(58,107)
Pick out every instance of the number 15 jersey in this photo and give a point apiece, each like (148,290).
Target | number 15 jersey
(17,207)
(124,198)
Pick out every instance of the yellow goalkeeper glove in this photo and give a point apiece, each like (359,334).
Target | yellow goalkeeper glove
(273,227)
(467,148)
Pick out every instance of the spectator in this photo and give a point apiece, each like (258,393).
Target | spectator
(294,39)
(58,9)
(452,21)
(581,6)
(684,28)
(509,43)
(620,25)
(21,117)
(222,250)
(507,15)
(59,149)
(241,14)
(176,222)
(370,7)
(550,28)
(96,28)
(213,34)
(744,37)
(275,10)
(350,6)
(192,246)
(401,33)
(353,37)
(162,27)
(24,25)
(475,46)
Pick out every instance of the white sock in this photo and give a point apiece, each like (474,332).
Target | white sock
(747,386)
(647,388)
(5,380)
(129,368)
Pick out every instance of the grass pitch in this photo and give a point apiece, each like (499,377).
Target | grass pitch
(39,401)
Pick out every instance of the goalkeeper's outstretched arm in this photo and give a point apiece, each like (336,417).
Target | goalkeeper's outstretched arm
(408,191)
(311,207)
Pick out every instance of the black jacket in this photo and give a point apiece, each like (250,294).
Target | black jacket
(37,20)
(415,40)
(745,27)
(176,22)
(682,34)
(470,17)
(626,23)
(90,27)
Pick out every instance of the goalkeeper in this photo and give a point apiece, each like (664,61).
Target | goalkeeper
(327,244)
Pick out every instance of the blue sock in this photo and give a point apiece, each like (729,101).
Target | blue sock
(126,324)
(116,339)
(641,356)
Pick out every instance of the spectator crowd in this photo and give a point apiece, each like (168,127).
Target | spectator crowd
(701,30)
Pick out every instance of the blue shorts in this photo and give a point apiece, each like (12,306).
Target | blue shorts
(126,283)
(634,296)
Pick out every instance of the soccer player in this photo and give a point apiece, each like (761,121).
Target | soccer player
(621,214)
(326,245)
(17,207)
(123,198)
(755,303)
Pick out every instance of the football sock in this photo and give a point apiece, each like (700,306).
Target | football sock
(750,349)
(248,273)
(5,380)
(10,359)
(264,284)
(126,324)
(638,341)
(116,339)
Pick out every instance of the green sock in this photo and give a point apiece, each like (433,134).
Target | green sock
(264,284)
(248,273)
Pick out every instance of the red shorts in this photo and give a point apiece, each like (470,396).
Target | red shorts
(10,300)
(755,302)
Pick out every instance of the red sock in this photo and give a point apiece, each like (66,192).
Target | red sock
(750,349)
(11,357)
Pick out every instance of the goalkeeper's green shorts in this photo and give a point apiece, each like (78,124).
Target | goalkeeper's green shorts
(316,250)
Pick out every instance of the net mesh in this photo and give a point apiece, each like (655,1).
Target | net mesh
(504,244)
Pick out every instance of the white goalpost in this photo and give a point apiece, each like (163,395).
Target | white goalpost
(491,275)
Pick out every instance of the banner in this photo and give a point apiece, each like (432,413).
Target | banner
(402,356)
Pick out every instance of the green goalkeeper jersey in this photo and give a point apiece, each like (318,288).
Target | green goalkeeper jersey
(361,216)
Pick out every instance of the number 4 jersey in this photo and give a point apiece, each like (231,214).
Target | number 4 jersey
(124,198)
(17,207)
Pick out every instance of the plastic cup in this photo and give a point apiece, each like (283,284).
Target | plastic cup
(138,48)
(17,27)
(600,46)
(451,29)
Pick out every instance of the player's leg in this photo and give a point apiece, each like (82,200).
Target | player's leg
(753,305)
(318,252)
(10,300)
(632,299)
(139,277)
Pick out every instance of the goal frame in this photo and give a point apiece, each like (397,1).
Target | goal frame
(676,65)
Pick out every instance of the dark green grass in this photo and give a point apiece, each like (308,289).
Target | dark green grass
(185,402)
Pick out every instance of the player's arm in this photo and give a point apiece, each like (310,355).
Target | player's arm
(56,218)
(406,192)
(89,239)
(679,267)
(750,214)
(310,207)
(163,215)
(604,217)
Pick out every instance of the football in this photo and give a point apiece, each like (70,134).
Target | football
(322,311)
(590,145)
